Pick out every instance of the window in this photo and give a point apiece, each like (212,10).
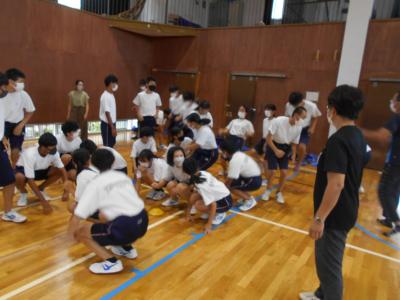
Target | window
(71,3)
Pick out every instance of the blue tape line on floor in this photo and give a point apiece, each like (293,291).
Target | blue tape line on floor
(376,237)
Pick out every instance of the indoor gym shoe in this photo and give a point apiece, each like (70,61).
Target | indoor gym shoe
(308,296)
(219,218)
(279,198)
(170,202)
(13,216)
(159,195)
(394,231)
(248,204)
(151,194)
(266,195)
(193,210)
(106,267)
(385,222)
(23,200)
(120,251)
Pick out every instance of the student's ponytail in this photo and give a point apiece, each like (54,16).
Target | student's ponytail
(191,167)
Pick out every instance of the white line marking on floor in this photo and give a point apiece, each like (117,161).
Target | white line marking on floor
(72,264)
(18,208)
(306,233)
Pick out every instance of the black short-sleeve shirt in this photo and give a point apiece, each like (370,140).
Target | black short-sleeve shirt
(393,126)
(344,153)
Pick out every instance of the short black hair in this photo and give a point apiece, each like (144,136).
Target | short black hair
(142,82)
(89,145)
(167,111)
(175,131)
(190,166)
(171,153)
(3,79)
(173,88)
(188,96)
(194,117)
(271,107)
(347,100)
(298,110)
(110,79)
(47,140)
(78,81)
(69,126)
(14,74)
(146,154)
(204,104)
(229,145)
(146,131)
(150,78)
(80,157)
(103,159)
(295,98)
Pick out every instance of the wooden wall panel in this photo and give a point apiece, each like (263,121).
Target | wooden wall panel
(55,45)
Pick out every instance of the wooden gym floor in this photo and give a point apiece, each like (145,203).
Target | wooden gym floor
(262,254)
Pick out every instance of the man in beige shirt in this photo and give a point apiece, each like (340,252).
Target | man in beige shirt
(78,107)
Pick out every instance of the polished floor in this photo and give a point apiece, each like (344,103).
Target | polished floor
(262,254)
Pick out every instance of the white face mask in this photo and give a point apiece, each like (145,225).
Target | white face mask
(241,115)
(173,95)
(178,161)
(115,87)
(268,113)
(19,86)
(144,164)
(393,107)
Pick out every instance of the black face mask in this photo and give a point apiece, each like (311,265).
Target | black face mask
(3,93)
(181,138)
(53,151)
(152,88)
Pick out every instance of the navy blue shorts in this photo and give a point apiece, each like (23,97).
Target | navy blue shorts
(274,162)
(148,121)
(205,158)
(39,174)
(246,184)
(224,204)
(16,141)
(238,141)
(123,170)
(106,134)
(123,230)
(7,173)
(304,136)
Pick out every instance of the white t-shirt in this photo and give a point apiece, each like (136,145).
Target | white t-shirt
(157,169)
(240,128)
(242,165)
(107,103)
(147,103)
(119,162)
(284,133)
(113,194)
(175,173)
(187,109)
(2,116)
(32,161)
(212,189)
(16,104)
(138,146)
(175,104)
(160,120)
(65,146)
(186,142)
(311,108)
(266,124)
(83,179)
(205,138)
(208,116)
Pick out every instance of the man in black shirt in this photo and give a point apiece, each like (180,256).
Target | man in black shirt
(389,185)
(336,201)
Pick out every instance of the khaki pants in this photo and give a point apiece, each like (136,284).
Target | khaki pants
(77,115)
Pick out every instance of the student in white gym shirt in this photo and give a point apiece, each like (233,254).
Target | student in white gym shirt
(146,141)
(108,111)
(19,110)
(120,208)
(282,141)
(309,124)
(37,163)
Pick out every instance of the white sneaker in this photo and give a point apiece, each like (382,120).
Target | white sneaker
(106,267)
(170,202)
(264,182)
(151,194)
(219,218)
(266,195)
(13,216)
(45,196)
(193,210)
(204,216)
(279,198)
(158,195)
(118,250)
(23,199)
(308,296)
(248,204)
(361,190)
